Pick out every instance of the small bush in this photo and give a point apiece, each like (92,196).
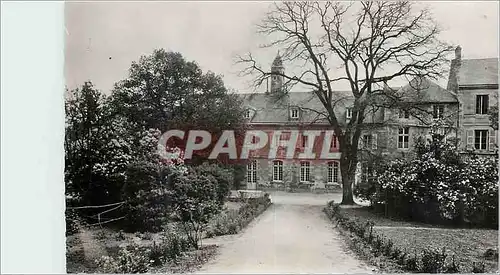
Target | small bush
(411,263)
(131,259)
(73,222)
(157,254)
(401,260)
(225,223)
(387,247)
(432,260)
(452,267)
(491,254)
(175,243)
(377,244)
(120,236)
(478,267)
(396,253)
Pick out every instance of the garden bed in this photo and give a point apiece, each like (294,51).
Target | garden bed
(468,249)
(233,219)
(141,248)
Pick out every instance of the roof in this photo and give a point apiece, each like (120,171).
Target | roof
(478,72)
(421,89)
(270,109)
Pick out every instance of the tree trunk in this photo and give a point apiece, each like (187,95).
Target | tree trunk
(347,182)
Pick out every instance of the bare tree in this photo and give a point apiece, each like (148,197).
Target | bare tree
(363,40)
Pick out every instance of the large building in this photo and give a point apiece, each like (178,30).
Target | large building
(475,82)
(459,112)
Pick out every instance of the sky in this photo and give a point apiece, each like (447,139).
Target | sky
(104,38)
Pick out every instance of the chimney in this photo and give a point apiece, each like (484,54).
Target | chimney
(458,53)
(454,69)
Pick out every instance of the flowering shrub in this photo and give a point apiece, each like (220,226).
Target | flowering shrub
(439,186)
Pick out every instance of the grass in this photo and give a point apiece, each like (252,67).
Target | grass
(468,245)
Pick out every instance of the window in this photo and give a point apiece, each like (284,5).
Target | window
(438,111)
(403,137)
(348,113)
(367,141)
(482,104)
(248,114)
(304,141)
(294,113)
(334,142)
(277,170)
(305,175)
(480,139)
(404,113)
(333,172)
(252,171)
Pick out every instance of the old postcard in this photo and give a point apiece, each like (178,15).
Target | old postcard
(281,137)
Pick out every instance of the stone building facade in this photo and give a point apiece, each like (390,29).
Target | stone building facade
(391,132)
(475,81)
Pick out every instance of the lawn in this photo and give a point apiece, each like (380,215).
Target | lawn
(468,245)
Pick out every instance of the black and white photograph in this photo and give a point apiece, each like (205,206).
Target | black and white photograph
(255,137)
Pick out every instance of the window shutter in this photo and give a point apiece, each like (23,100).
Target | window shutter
(485,104)
(470,139)
(374,142)
(492,140)
(478,105)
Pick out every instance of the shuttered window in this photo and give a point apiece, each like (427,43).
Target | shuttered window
(481,104)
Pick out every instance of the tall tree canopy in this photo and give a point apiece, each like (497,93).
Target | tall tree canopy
(164,91)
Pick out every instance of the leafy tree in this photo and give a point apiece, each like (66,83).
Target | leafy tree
(86,139)
(164,91)
(366,40)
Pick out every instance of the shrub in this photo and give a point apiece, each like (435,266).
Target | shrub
(491,254)
(130,259)
(120,236)
(175,243)
(439,186)
(432,260)
(387,247)
(411,263)
(478,267)
(195,200)
(452,267)
(145,207)
(224,179)
(73,222)
(225,223)
(396,253)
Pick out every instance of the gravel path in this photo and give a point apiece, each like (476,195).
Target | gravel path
(292,236)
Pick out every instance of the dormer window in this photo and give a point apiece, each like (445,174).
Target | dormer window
(404,113)
(438,111)
(294,113)
(248,114)
(348,113)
